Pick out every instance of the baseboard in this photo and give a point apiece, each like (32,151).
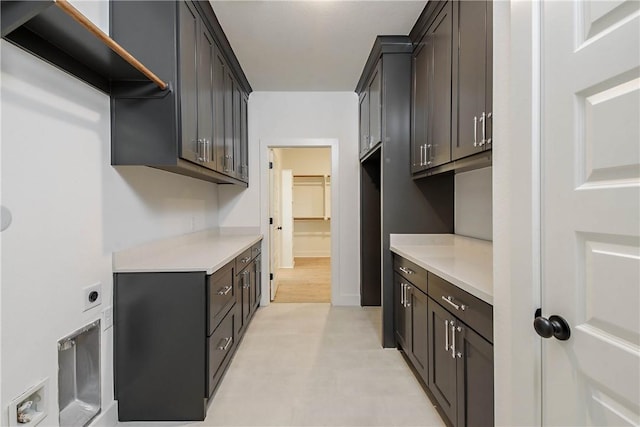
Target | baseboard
(108,417)
(347,300)
(313,254)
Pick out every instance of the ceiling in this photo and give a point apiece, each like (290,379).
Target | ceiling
(309,45)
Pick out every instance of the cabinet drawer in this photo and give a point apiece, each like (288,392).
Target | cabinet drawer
(220,344)
(410,271)
(476,313)
(243,260)
(221,294)
(256,249)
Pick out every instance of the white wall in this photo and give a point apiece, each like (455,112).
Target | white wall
(274,115)
(473,204)
(70,209)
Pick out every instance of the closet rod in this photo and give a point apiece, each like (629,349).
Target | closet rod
(67,8)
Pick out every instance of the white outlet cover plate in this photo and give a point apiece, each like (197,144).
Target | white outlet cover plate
(87,305)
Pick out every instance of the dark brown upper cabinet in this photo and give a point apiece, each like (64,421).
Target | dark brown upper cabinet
(431,94)
(473,76)
(451,87)
(371,111)
(196,127)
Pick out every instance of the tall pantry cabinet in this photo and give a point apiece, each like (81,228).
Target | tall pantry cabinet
(390,200)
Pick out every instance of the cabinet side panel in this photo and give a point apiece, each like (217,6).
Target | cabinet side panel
(143,131)
(159,346)
(370,238)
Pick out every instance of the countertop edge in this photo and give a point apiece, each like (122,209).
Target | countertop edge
(208,268)
(465,286)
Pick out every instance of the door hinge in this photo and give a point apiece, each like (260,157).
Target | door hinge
(270,276)
(270,165)
(270,221)
(538,313)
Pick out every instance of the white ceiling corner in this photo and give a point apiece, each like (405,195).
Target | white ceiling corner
(309,45)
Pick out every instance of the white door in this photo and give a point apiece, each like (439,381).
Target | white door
(272,227)
(286,193)
(590,211)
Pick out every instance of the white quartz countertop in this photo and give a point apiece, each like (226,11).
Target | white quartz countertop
(207,250)
(463,261)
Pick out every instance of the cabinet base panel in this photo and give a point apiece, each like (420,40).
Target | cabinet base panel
(424,387)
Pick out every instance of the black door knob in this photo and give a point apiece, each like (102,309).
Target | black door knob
(554,326)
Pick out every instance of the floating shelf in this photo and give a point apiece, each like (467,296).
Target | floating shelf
(59,34)
(311,218)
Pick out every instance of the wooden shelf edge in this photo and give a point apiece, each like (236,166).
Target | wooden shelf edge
(311,218)
(67,39)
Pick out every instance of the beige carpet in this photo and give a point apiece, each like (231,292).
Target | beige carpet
(309,281)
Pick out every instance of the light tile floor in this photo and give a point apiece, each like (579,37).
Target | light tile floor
(316,365)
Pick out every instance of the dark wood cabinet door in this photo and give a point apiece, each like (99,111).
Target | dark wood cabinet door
(228,123)
(419,331)
(219,73)
(442,364)
(419,105)
(475,379)
(438,150)
(471,76)
(431,94)
(237,129)
(489,77)
(205,97)
(375,106)
(244,140)
(402,323)
(257,282)
(189,27)
(364,122)
(246,294)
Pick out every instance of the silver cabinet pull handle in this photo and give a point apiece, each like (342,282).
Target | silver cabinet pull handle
(225,290)
(426,156)
(406,270)
(245,260)
(227,342)
(199,150)
(446,335)
(449,299)
(427,150)
(402,294)
(483,123)
(457,353)
(475,131)
(453,340)
(406,298)
(421,155)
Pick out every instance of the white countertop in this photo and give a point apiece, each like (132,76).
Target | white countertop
(463,261)
(207,250)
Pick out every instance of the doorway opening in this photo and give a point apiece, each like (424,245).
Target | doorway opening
(300,224)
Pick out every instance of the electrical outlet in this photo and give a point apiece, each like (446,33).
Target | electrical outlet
(92,296)
(107,318)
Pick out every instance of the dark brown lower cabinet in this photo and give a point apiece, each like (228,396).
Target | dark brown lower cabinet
(449,345)
(475,380)
(175,334)
(248,292)
(460,369)
(411,323)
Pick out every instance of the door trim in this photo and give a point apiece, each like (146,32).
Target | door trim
(337,298)
(516,211)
